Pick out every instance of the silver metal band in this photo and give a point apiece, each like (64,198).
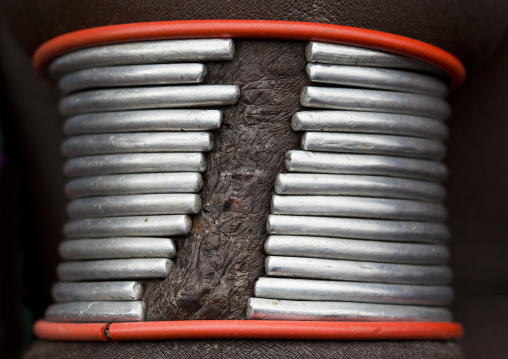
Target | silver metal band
(115,269)
(352,185)
(356,250)
(369,122)
(146,52)
(271,309)
(376,78)
(167,225)
(117,248)
(324,162)
(373,144)
(97,291)
(138,98)
(356,56)
(175,182)
(383,230)
(96,312)
(319,268)
(135,163)
(359,207)
(144,121)
(138,142)
(328,290)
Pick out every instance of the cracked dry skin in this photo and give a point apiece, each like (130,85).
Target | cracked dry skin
(216,265)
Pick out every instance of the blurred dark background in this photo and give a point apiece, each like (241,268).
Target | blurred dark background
(32,204)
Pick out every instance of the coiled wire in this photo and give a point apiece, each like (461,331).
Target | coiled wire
(356,227)
(139,126)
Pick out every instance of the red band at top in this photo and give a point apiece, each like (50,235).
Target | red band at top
(252,29)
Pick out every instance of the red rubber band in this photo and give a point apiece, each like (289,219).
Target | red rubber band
(89,332)
(249,329)
(258,29)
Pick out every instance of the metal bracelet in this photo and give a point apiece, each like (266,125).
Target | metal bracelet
(135,163)
(369,122)
(271,309)
(343,291)
(96,312)
(359,207)
(357,250)
(317,268)
(144,121)
(146,52)
(97,291)
(134,75)
(117,248)
(358,185)
(114,269)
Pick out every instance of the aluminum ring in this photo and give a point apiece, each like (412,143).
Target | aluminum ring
(144,183)
(270,309)
(117,248)
(369,122)
(351,185)
(356,250)
(135,163)
(101,291)
(144,52)
(139,98)
(360,164)
(138,142)
(134,205)
(354,228)
(375,100)
(358,207)
(358,56)
(139,226)
(96,312)
(373,144)
(115,269)
(377,78)
(318,268)
(144,121)
(325,290)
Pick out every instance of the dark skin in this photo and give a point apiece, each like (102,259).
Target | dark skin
(258,125)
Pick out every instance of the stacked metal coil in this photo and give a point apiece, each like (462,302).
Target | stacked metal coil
(356,228)
(135,156)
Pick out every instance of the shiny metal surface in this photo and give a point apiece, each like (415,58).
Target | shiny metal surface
(373,144)
(369,122)
(374,100)
(117,248)
(139,226)
(271,309)
(92,291)
(134,75)
(135,163)
(356,250)
(138,142)
(324,290)
(138,98)
(172,182)
(351,185)
(354,228)
(134,205)
(357,56)
(361,164)
(144,121)
(96,312)
(146,52)
(319,268)
(377,78)
(114,269)
(358,207)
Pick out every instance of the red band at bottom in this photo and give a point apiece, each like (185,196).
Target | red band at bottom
(247,329)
